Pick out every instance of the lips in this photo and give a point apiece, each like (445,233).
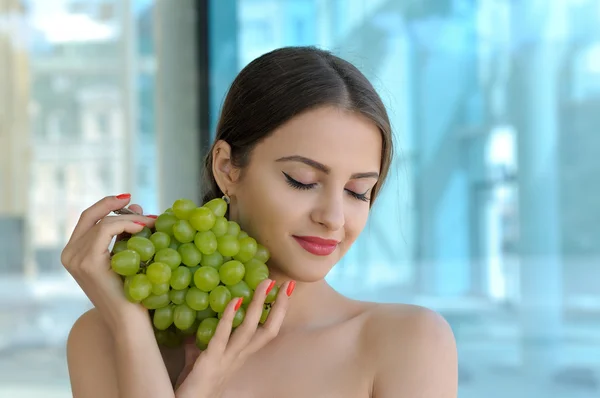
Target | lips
(317,246)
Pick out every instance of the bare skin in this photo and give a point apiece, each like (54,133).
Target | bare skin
(327,345)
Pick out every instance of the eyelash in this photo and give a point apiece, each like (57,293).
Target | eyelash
(303,187)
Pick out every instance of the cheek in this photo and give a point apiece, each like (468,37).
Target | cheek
(266,213)
(355,223)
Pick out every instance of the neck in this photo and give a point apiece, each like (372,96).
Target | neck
(312,304)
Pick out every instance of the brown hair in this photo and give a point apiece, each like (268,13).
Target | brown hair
(283,83)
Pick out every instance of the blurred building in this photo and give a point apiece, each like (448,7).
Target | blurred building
(15,137)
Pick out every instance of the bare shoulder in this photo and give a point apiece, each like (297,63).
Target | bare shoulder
(412,352)
(90,359)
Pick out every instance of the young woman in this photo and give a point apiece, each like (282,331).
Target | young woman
(303,147)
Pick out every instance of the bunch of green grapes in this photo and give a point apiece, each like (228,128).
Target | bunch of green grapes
(188,267)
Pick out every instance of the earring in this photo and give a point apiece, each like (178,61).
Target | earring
(226,199)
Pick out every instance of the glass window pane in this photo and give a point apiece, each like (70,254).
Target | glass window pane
(490,215)
(90,106)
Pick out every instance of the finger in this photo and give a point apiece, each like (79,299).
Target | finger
(136,208)
(271,327)
(220,339)
(245,332)
(112,226)
(97,212)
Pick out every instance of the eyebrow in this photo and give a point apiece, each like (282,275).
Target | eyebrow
(321,167)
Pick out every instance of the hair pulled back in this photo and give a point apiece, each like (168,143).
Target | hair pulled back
(281,84)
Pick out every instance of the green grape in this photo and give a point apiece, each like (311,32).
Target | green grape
(181,278)
(161,240)
(144,233)
(202,219)
(218,298)
(182,208)
(191,330)
(164,223)
(126,284)
(241,289)
(206,313)
(119,246)
(232,272)
(169,211)
(140,287)
(174,243)
(190,255)
(227,258)
(220,227)
(160,288)
(163,317)
(214,260)
(168,256)
(168,338)
(178,296)
(206,242)
(256,272)
(206,278)
(193,270)
(206,330)
(156,301)
(242,234)
(238,318)
(183,231)
(201,346)
(183,316)
(196,299)
(262,253)
(218,206)
(158,273)
(228,245)
(233,228)
(272,295)
(247,251)
(143,246)
(265,313)
(126,262)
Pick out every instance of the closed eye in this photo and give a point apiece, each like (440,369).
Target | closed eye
(303,187)
(297,184)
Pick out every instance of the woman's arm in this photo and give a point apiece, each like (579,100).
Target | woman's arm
(415,355)
(127,366)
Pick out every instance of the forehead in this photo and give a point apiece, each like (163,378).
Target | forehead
(329,135)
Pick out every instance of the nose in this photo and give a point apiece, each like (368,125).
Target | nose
(329,212)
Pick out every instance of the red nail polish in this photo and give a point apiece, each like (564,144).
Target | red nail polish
(124,196)
(152,216)
(239,303)
(290,288)
(139,223)
(270,287)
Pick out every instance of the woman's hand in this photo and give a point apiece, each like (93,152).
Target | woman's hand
(206,373)
(87,258)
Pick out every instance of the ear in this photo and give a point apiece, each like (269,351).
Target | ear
(226,174)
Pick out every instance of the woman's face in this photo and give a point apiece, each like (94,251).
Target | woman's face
(305,193)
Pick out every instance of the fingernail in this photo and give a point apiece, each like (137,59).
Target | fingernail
(290,288)
(139,223)
(239,303)
(124,196)
(152,216)
(270,287)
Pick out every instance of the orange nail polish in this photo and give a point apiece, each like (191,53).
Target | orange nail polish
(152,216)
(270,287)
(139,223)
(290,288)
(239,303)
(124,196)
